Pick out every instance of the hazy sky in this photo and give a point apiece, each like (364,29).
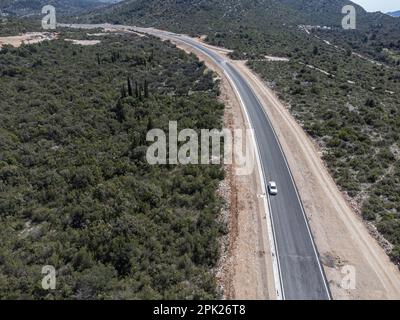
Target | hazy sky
(379,5)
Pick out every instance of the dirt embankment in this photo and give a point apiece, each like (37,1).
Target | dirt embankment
(27,38)
(84,42)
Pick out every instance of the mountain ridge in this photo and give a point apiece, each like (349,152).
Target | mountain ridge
(258,22)
(395,14)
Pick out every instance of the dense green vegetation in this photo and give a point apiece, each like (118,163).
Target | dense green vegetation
(249,27)
(10,26)
(374,34)
(347,103)
(75,189)
(353,113)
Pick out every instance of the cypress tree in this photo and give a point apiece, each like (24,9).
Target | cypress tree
(149,124)
(119,111)
(130,90)
(123,91)
(136,90)
(146,89)
(140,92)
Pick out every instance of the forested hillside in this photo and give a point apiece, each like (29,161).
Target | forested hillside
(255,26)
(13,26)
(76,191)
(344,100)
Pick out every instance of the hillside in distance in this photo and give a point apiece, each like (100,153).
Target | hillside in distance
(33,7)
(271,24)
(395,14)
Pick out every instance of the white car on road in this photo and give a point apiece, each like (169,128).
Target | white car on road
(272,188)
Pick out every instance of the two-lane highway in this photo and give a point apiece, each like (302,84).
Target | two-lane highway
(300,267)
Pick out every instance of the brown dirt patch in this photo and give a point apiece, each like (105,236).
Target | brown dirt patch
(27,38)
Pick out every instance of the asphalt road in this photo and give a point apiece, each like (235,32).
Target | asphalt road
(302,276)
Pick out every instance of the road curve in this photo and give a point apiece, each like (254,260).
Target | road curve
(301,276)
(301,273)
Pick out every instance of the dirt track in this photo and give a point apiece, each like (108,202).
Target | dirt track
(27,38)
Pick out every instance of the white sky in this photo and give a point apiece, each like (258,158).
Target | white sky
(379,5)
